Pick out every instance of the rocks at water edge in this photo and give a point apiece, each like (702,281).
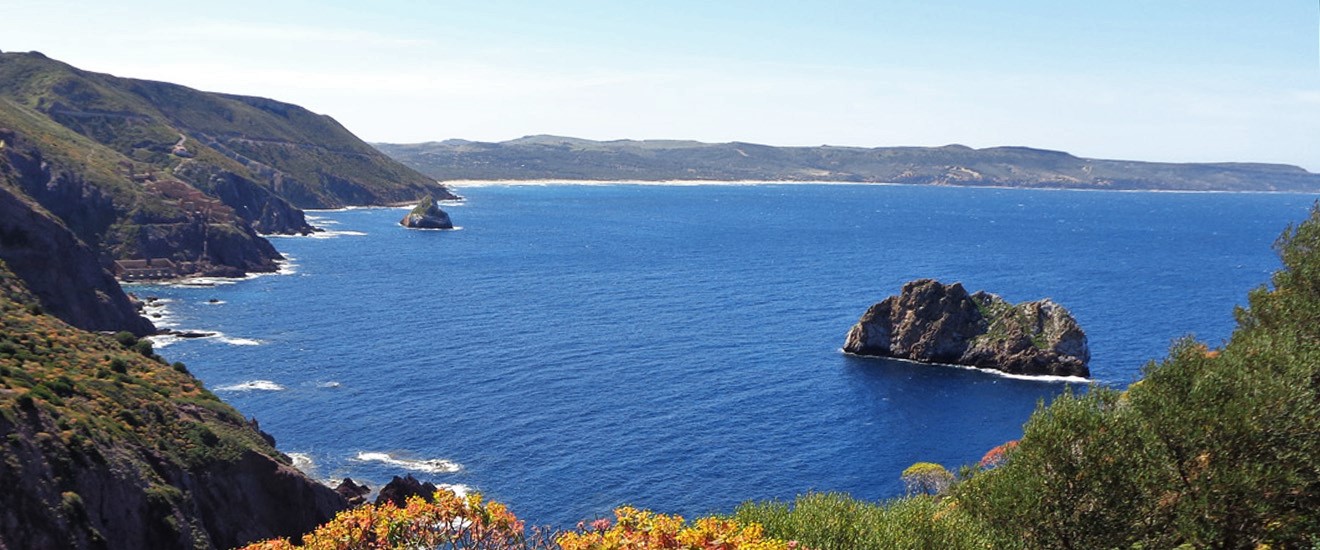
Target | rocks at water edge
(399,489)
(355,494)
(427,215)
(931,322)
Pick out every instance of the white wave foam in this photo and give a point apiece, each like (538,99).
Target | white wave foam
(202,282)
(159,313)
(303,462)
(430,466)
(162,340)
(238,341)
(215,303)
(251,385)
(1001,374)
(454,228)
(343,209)
(334,233)
(330,384)
(458,488)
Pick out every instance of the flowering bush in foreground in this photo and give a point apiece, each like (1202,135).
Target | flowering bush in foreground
(453,522)
(449,521)
(645,530)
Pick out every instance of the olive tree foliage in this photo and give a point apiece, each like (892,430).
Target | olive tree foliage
(1213,448)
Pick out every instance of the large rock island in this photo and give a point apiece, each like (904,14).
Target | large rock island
(427,215)
(932,322)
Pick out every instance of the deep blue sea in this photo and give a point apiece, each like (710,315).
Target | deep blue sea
(574,348)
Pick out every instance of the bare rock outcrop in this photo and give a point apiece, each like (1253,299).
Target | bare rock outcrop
(400,489)
(931,322)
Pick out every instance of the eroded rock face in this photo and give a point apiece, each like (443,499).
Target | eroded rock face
(427,215)
(932,322)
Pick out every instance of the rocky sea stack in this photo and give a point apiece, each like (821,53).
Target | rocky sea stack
(427,215)
(932,322)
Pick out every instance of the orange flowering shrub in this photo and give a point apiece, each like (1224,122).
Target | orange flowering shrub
(450,521)
(998,455)
(644,530)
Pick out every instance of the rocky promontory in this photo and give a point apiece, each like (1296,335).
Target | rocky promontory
(932,322)
(427,215)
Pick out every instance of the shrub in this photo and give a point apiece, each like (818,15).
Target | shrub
(926,478)
(836,521)
(125,338)
(449,521)
(644,530)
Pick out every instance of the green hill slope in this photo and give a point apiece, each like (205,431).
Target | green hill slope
(142,169)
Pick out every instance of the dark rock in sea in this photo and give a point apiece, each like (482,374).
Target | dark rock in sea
(427,216)
(932,322)
(399,489)
(355,494)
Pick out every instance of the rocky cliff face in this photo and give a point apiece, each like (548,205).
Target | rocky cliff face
(140,169)
(106,446)
(932,322)
(267,212)
(64,274)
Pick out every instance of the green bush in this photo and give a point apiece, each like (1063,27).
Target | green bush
(1213,448)
(835,521)
(125,338)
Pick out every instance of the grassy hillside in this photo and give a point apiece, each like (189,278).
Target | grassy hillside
(140,169)
(306,158)
(553,157)
(103,444)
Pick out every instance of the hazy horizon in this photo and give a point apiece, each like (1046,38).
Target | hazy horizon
(1211,81)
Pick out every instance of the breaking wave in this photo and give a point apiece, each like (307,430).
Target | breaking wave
(430,466)
(252,385)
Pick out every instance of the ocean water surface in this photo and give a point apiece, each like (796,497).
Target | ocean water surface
(574,348)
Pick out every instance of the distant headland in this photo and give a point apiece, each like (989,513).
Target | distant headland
(554,158)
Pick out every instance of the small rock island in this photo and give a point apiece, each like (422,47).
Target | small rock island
(932,322)
(427,215)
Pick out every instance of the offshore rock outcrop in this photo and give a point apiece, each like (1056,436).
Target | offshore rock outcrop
(931,322)
(427,215)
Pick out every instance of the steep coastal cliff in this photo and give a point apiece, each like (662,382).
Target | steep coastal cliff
(932,322)
(150,170)
(107,446)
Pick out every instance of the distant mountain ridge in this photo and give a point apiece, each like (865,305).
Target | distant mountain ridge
(555,157)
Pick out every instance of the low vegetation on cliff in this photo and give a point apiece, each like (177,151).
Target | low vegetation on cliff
(104,445)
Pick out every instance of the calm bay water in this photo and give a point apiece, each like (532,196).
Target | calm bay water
(574,348)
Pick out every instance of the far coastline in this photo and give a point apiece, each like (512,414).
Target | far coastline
(545,182)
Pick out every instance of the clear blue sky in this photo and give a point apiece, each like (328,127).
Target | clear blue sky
(1176,80)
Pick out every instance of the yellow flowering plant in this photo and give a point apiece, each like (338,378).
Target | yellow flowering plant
(645,530)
